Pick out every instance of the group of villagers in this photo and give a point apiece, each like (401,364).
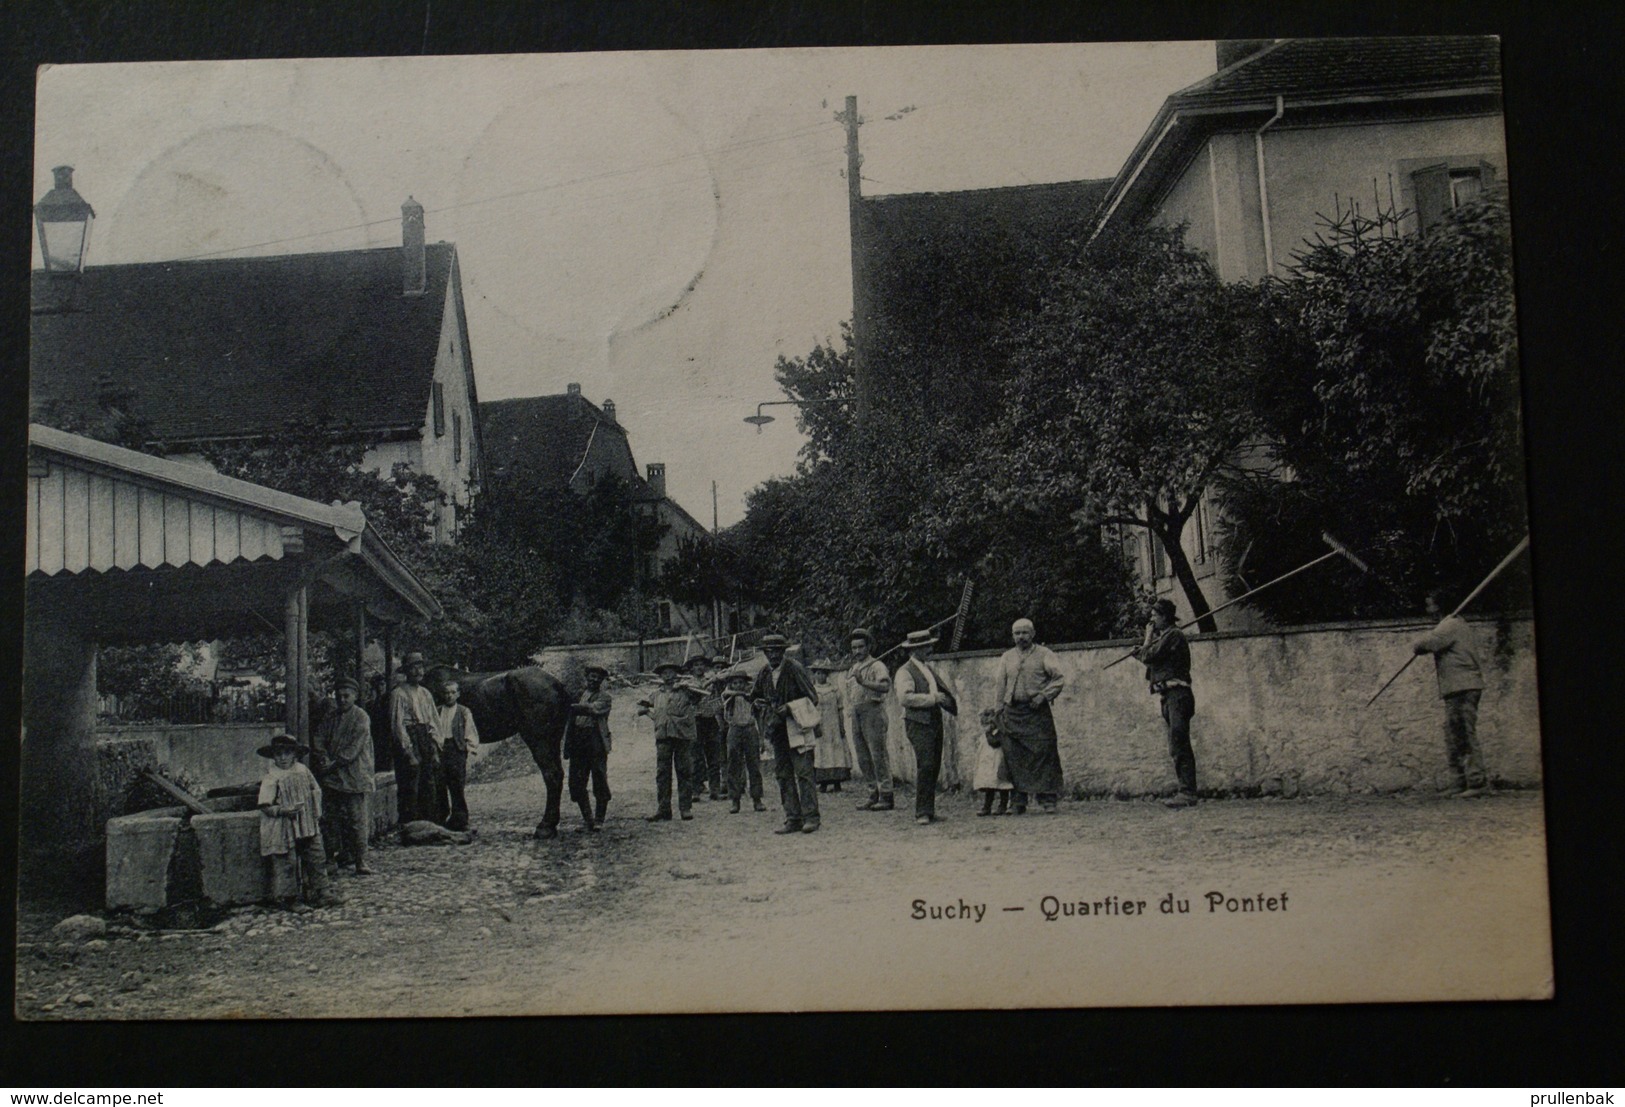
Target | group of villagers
(818,723)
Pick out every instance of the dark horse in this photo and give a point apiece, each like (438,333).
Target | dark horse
(529,702)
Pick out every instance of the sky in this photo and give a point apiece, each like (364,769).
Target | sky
(658,227)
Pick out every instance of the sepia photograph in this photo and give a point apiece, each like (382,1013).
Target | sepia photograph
(780,530)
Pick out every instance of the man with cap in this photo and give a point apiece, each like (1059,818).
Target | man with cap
(586,747)
(709,756)
(1030,677)
(672,712)
(414,723)
(925,695)
(781,682)
(343,759)
(1167,659)
(867,685)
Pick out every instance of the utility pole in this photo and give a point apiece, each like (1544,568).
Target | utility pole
(716,600)
(857,229)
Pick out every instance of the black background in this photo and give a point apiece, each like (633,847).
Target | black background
(1563,75)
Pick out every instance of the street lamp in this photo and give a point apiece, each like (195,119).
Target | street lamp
(761,420)
(63,219)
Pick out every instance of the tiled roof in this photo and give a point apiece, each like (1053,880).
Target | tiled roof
(541,438)
(1302,66)
(237,347)
(1319,80)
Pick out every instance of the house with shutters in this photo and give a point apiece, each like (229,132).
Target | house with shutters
(368,343)
(1290,133)
(567,441)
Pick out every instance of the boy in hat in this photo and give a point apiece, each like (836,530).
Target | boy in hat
(744,741)
(344,760)
(460,737)
(290,806)
(672,712)
(709,757)
(832,760)
(925,695)
(586,747)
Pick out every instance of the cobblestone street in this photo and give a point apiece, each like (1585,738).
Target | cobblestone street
(1384,897)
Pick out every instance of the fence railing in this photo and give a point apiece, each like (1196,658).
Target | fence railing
(219,705)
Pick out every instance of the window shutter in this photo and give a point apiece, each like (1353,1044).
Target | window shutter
(1432,187)
(439,409)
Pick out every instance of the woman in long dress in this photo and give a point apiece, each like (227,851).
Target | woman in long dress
(832,757)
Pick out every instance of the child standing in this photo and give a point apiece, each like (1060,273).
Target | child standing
(832,758)
(290,806)
(462,738)
(992,778)
(743,739)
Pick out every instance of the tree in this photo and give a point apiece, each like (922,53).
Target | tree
(1393,403)
(1130,393)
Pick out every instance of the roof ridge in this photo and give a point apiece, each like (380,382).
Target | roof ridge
(442,244)
(1239,63)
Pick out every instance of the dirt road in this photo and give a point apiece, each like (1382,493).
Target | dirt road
(1353,897)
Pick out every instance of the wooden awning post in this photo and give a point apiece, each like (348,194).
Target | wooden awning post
(295,617)
(360,647)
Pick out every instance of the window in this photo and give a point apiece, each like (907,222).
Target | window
(1199,531)
(663,613)
(1442,186)
(457,436)
(1159,557)
(439,409)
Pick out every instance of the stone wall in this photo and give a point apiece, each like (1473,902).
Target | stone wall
(212,754)
(1277,713)
(619,657)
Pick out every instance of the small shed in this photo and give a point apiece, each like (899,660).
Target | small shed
(123,547)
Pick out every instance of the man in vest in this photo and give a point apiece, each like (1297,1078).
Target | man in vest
(925,695)
(414,723)
(867,686)
(459,738)
(781,682)
(1167,658)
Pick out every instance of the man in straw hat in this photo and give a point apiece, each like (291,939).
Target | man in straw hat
(781,682)
(586,747)
(414,723)
(672,712)
(344,762)
(1030,677)
(867,686)
(925,695)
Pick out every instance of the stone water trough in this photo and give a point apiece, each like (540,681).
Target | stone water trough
(168,856)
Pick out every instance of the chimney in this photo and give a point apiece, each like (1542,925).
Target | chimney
(1229,51)
(413,280)
(609,410)
(572,389)
(657,478)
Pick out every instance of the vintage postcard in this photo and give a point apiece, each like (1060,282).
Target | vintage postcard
(781,530)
